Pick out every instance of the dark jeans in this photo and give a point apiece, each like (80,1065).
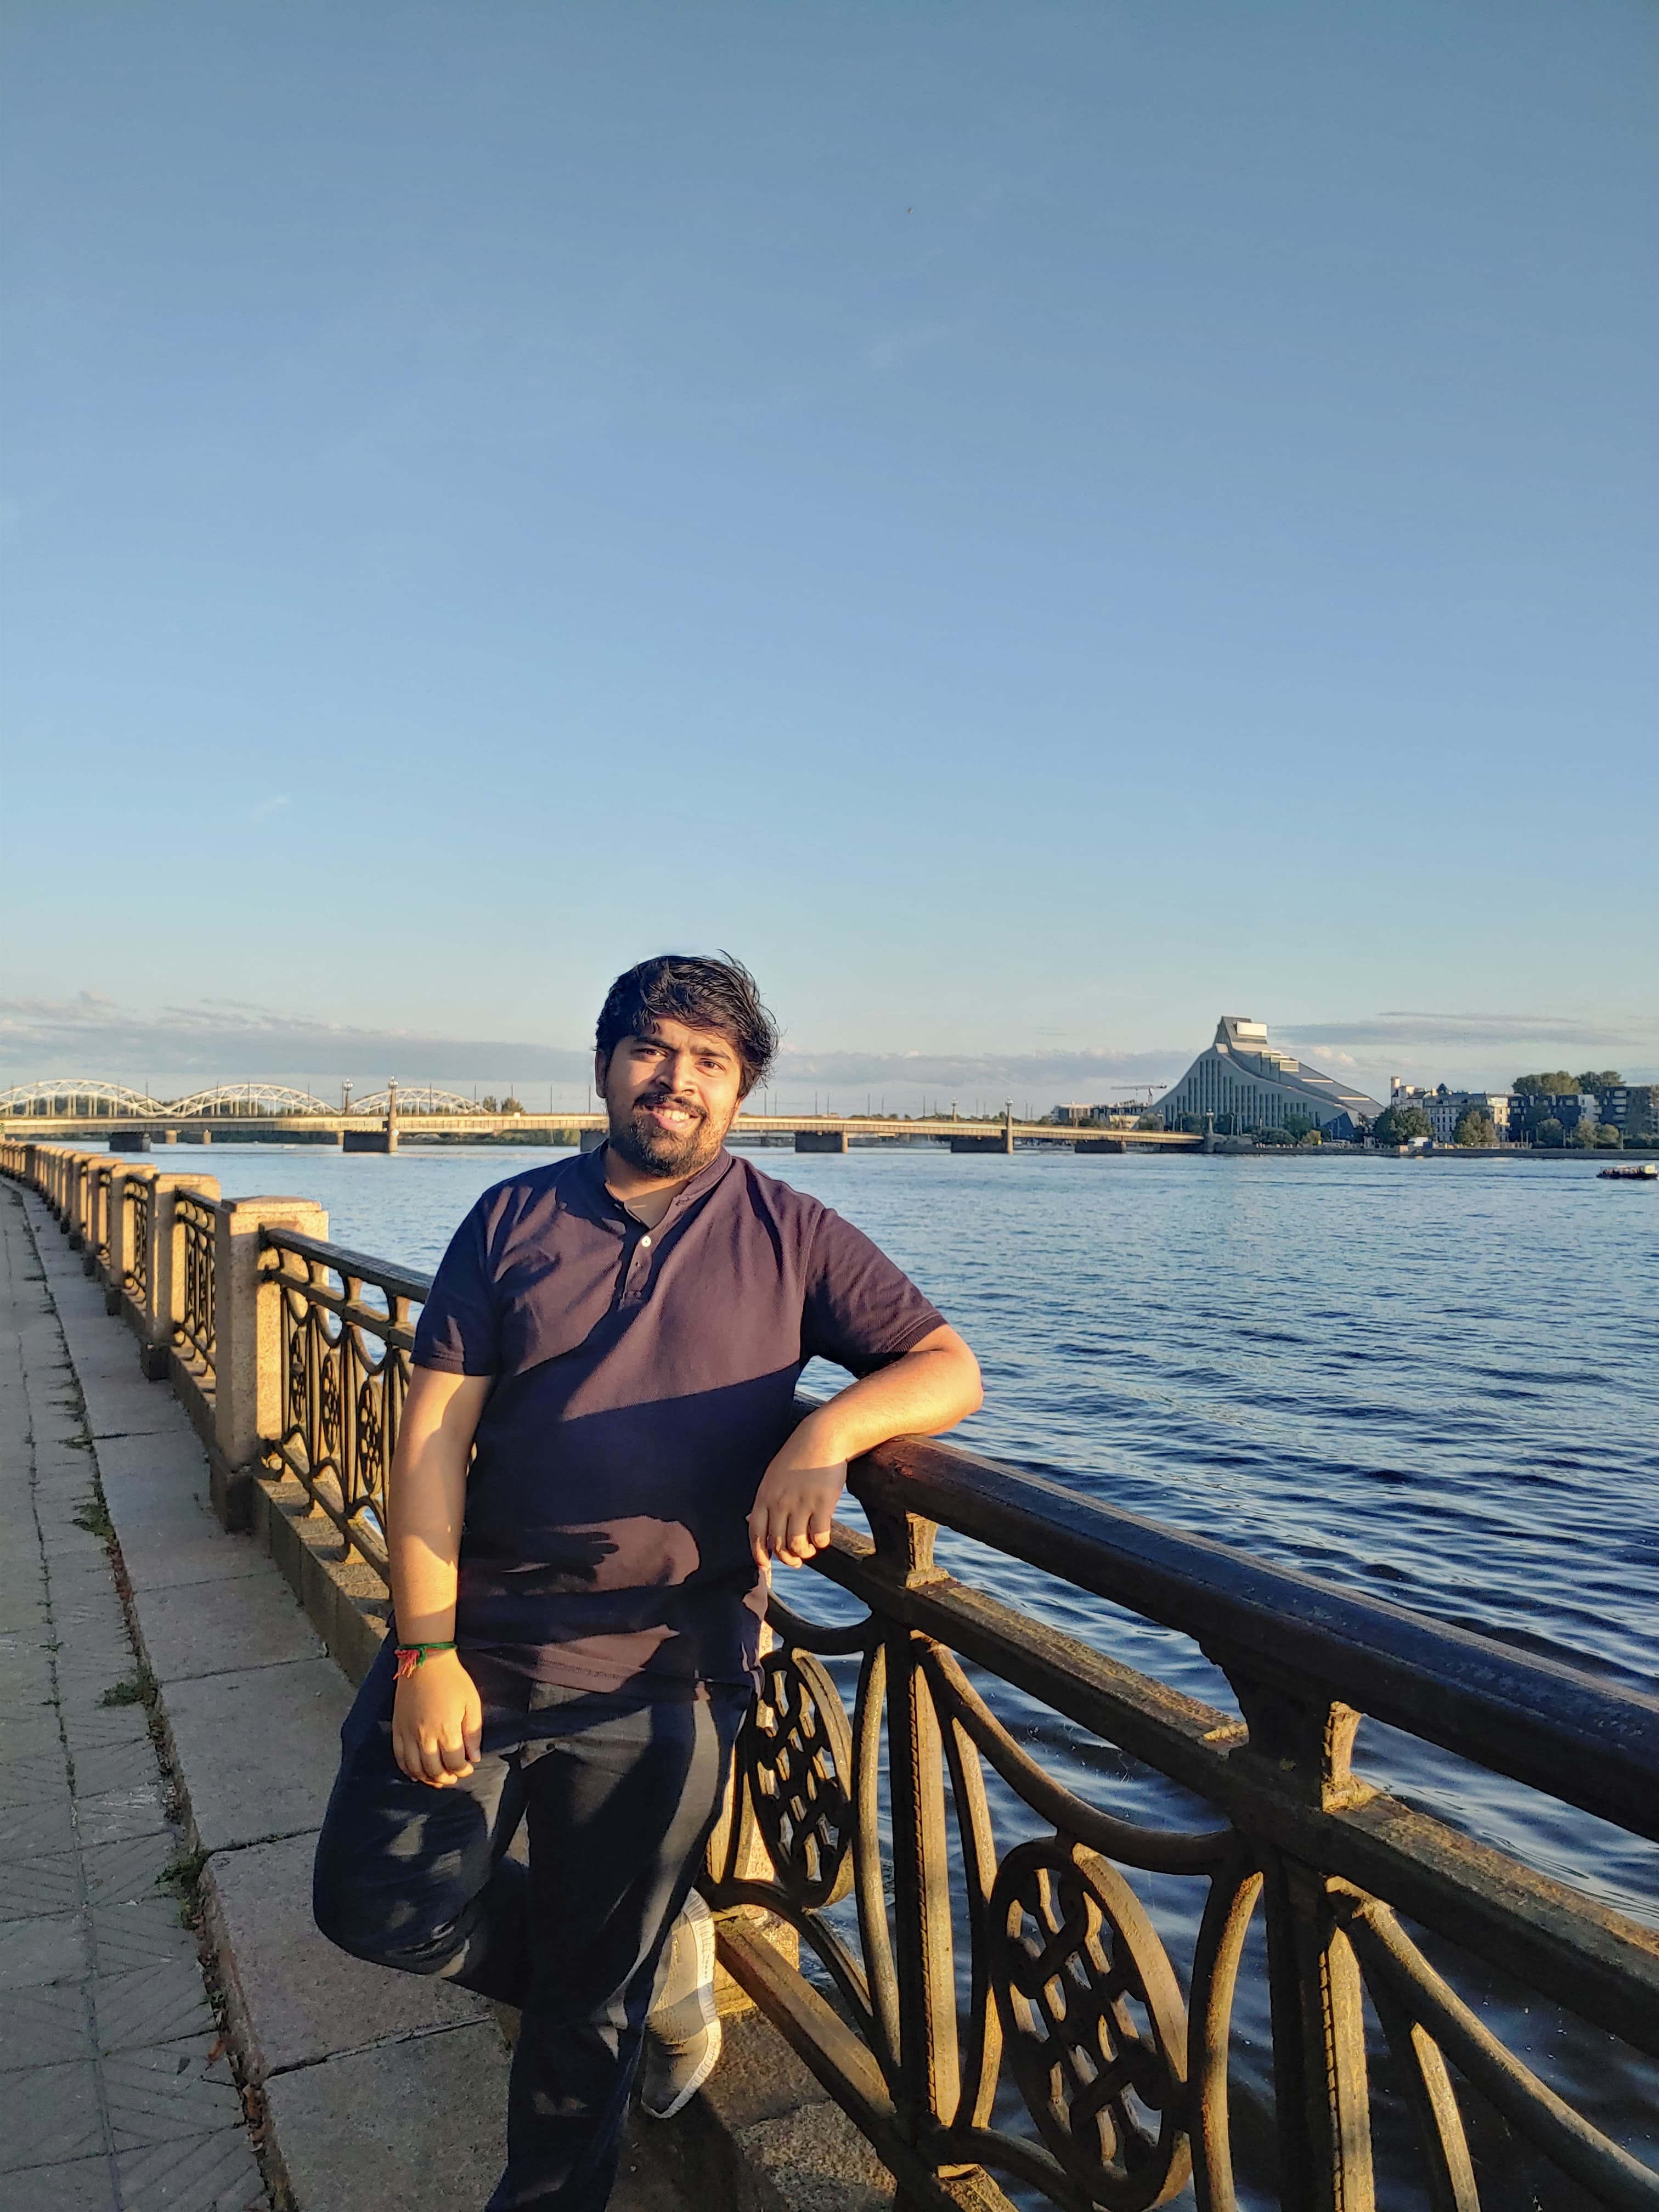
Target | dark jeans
(619,1798)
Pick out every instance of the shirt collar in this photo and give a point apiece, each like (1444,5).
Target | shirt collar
(592,1167)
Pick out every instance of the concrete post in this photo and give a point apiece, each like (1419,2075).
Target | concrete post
(81,1196)
(247,1345)
(165,1309)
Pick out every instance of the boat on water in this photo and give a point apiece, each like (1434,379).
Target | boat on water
(1647,1172)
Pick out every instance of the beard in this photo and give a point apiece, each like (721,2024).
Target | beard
(660,1151)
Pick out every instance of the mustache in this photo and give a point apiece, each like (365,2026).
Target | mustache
(667,1098)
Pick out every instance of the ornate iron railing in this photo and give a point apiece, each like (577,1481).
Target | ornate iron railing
(140,1194)
(194,1333)
(996,2008)
(345,1373)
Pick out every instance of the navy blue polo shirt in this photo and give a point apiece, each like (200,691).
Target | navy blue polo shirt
(643,1381)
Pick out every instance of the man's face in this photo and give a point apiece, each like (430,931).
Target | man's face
(671,1096)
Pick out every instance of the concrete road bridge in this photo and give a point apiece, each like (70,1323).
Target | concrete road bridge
(57,1110)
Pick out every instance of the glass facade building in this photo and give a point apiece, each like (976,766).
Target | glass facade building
(1248,1084)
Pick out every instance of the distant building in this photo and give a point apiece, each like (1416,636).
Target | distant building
(1632,1107)
(1446,1109)
(1530,1109)
(1123,1116)
(1248,1084)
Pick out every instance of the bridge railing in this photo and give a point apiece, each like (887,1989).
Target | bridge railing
(1070,1933)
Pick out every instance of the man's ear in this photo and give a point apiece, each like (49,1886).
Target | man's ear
(601,1068)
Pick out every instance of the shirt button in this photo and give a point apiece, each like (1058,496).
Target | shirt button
(645,1243)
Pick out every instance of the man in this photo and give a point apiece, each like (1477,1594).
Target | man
(612,1343)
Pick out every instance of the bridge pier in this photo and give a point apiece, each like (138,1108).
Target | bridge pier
(1002,1142)
(1100,1145)
(128,1141)
(820,1140)
(368,1141)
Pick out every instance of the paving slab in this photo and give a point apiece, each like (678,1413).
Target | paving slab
(28,1832)
(207,2173)
(127,1763)
(259,1749)
(420,2125)
(47,2026)
(131,1932)
(220,1628)
(87,2185)
(51,1949)
(94,1725)
(125,1872)
(157,2005)
(50,2115)
(49,1883)
(141,1466)
(182,2089)
(296,1998)
(190,1548)
(34,1778)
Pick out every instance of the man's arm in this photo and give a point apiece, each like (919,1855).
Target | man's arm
(437,1718)
(935,1385)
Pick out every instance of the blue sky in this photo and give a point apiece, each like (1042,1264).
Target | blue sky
(1035,524)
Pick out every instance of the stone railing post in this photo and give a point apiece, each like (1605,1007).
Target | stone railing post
(166,1311)
(247,1353)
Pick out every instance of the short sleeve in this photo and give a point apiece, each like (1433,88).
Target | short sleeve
(457,1331)
(862,1310)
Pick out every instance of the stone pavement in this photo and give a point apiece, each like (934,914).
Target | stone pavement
(116,2090)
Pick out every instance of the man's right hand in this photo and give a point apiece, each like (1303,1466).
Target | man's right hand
(437,1722)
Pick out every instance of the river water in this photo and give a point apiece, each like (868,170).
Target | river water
(1434,1380)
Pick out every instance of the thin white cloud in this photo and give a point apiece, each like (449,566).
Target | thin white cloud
(1472,1032)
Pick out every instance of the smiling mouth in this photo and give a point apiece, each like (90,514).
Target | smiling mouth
(672,1112)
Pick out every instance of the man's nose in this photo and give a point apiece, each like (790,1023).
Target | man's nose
(679,1072)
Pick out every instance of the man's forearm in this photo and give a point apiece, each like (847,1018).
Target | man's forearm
(425,1502)
(926,1392)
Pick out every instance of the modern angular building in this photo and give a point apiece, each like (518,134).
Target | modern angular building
(1248,1084)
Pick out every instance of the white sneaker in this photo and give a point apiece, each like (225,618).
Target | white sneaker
(682,2029)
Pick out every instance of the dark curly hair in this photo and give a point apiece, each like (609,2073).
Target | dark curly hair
(705,995)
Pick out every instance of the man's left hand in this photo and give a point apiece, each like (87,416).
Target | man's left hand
(796,1503)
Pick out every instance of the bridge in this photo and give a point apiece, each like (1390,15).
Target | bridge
(58,1108)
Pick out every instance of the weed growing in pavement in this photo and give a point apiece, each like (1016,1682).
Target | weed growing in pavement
(138,1689)
(91,1517)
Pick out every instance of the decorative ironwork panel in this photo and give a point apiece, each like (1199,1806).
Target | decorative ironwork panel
(195,1219)
(140,1200)
(1096,2033)
(100,1185)
(347,1338)
(797,1756)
